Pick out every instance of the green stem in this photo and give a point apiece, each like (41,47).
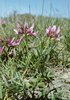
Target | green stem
(26,43)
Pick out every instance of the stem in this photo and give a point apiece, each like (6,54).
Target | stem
(26,43)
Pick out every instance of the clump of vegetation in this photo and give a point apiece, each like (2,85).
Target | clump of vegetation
(27,53)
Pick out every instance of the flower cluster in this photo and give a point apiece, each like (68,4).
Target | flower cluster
(53,32)
(12,42)
(25,29)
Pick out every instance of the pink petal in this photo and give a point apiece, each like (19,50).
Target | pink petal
(34,33)
(19,25)
(12,42)
(18,31)
(58,30)
(25,25)
(17,42)
(15,31)
(31,28)
(1,49)
(48,30)
(53,29)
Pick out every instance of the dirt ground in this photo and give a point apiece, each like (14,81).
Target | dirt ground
(62,81)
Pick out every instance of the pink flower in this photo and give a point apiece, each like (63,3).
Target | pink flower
(19,29)
(25,29)
(53,32)
(30,30)
(12,42)
(1,49)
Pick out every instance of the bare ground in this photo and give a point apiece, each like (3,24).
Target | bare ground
(62,81)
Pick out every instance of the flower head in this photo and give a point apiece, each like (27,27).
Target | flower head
(25,29)
(12,42)
(53,32)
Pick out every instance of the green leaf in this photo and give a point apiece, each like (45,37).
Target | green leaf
(1,90)
(41,84)
(35,52)
(53,97)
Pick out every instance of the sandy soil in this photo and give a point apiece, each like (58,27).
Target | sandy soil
(62,81)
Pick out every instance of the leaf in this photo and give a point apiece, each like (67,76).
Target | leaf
(41,84)
(1,90)
(53,97)
(35,52)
